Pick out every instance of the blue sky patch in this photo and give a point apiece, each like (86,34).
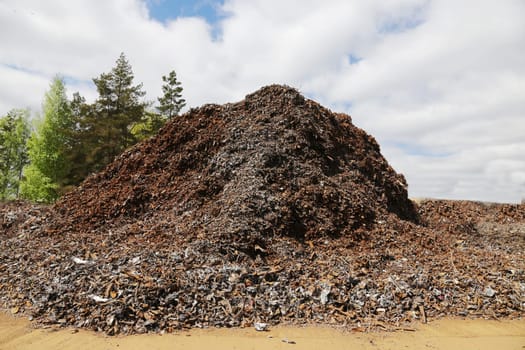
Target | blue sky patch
(409,20)
(399,25)
(22,69)
(353,59)
(165,10)
(68,80)
(72,81)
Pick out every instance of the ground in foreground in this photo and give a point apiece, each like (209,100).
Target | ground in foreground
(442,334)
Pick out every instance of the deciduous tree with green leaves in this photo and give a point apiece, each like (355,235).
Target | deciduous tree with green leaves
(14,132)
(150,125)
(49,146)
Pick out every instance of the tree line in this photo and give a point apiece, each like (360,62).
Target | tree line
(40,161)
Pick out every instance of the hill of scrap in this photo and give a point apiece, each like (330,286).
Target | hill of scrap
(270,209)
(275,164)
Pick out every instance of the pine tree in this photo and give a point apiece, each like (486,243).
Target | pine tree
(171,102)
(14,132)
(80,151)
(48,147)
(117,109)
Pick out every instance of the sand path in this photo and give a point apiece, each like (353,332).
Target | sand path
(16,333)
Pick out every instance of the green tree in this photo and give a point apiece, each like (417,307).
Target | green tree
(49,146)
(38,187)
(150,125)
(117,109)
(14,132)
(80,142)
(171,102)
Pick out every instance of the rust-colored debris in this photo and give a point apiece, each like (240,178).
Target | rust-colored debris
(269,210)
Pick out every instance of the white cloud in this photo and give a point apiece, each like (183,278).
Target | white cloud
(17,85)
(489,173)
(438,83)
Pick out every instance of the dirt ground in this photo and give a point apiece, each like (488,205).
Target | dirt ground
(16,333)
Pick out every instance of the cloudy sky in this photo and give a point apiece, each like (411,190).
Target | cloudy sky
(440,84)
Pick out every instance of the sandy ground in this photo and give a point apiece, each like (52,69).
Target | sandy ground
(16,333)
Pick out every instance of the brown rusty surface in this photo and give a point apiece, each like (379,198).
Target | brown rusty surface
(272,209)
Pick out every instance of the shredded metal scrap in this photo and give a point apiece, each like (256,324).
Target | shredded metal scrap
(270,210)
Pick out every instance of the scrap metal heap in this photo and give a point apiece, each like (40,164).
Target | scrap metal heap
(272,209)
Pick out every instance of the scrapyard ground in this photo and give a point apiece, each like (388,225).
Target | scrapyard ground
(468,261)
(272,209)
(15,334)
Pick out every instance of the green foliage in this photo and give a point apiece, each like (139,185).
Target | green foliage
(81,114)
(38,187)
(170,105)
(74,138)
(49,146)
(171,102)
(150,126)
(108,125)
(14,132)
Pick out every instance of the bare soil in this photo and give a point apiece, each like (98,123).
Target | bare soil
(444,334)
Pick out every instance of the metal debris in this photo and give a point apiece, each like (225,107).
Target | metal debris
(489,292)
(98,299)
(81,261)
(288,341)
(270,210)
(261,327)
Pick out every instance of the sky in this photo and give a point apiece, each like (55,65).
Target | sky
(440,84)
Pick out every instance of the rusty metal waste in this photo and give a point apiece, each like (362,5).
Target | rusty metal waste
(269,210)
